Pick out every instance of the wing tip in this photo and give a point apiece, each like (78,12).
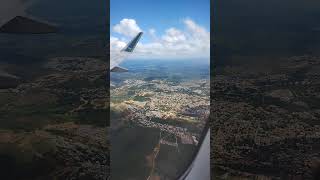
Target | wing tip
(133,43)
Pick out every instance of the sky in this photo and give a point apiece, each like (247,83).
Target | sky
(173,29)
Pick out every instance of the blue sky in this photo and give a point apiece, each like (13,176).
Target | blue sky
(162,16)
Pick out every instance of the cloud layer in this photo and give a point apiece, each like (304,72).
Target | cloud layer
(127,27)
(192,41)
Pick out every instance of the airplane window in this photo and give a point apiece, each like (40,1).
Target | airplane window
(159,87)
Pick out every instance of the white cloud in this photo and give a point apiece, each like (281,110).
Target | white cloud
(173,36)
(193,41)
(127,27)
(200,36)
(152,31)
(116,44)
(153,35)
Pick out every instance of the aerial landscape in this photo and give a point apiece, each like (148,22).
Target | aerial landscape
(53,124)
(159,116)
(266,124)
(53,96)
(265,90)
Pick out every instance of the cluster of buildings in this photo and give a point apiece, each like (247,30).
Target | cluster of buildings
(184,103)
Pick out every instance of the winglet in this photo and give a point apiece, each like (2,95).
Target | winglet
(21,25)
(133,43)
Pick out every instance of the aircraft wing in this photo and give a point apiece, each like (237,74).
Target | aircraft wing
(133,43)
(117,58)
(20,24)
